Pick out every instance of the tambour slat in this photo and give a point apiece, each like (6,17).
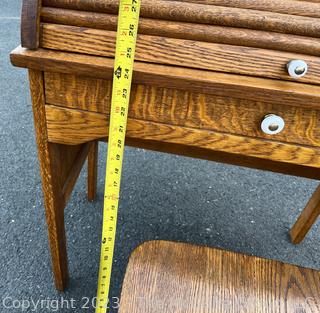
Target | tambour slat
(205,14)
(301,8)
(183,30)
(187,53)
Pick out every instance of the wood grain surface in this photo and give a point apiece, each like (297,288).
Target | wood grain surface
(71,126)
(191,31)
(66,156)
(182,278)
(223,157)
(206,14)
(243,87)
(306,8)
(307,218)
(180,52)
(74,170)
(183,108)
(50,169)
(30,23)
(92,170)
(78,92)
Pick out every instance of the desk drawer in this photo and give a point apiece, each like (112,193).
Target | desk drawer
(188,109)
(199,55)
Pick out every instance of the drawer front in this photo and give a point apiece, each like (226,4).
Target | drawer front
(187,109)
(187,53)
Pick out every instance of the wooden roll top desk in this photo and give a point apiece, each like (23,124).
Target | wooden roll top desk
(225,80)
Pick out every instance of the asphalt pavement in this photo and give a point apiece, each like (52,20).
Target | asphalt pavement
(163,197)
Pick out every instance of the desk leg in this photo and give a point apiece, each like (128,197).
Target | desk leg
(92,170)
(307,218)
(49,159)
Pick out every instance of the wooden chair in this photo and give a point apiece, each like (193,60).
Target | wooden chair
(178,277)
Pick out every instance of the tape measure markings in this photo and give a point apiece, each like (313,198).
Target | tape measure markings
(123,68)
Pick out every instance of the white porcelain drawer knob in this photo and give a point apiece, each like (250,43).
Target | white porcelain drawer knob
(297,68)
(272,124)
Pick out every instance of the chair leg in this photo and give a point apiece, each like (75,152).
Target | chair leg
(92,170)
(50,168)
(307,218)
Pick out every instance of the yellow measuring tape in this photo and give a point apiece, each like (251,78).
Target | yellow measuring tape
(128,21)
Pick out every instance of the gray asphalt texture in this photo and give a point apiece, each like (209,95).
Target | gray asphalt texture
(163,197)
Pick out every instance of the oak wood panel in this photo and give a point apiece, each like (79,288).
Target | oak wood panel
(224,157)
(198,32)
(307,218)
(178,277)
(50,169)
(243,87)
(78,92)
(205,14)
(183,108)
(70,126)
(180,52)
(30,23)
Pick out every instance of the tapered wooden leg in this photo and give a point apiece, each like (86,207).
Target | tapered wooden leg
(49,167)
(54,204)
(60,166)
(92,170)
(307,218)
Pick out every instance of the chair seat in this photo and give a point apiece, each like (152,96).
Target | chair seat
(176,277)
